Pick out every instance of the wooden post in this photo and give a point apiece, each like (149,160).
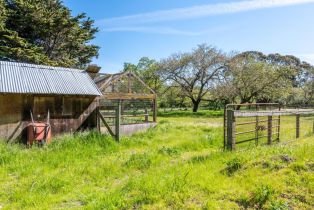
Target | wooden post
(225,128)
(155,110)
(231,130)
(297,126)
(118,120)
(278,128)
(97,119)
(256,126)
(146,115)
(269,130)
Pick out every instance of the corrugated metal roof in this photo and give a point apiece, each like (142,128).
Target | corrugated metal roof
(38,79)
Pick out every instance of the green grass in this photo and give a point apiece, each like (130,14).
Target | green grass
(178,165)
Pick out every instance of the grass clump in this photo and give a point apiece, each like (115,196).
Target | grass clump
(169,151)
(233,166)
(139,161)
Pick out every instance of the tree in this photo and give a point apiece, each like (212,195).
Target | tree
(249,78)
(146,69)
(13,47)
(195,73)
(45,32)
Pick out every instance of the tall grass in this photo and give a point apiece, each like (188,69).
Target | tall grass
(177,165)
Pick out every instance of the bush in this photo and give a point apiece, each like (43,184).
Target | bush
(261,196)
(233,166)
(279,205)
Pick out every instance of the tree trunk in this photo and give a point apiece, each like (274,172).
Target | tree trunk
(195,105)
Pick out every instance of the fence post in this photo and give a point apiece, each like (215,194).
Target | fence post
(118,120)
(256,126)
(98,120)
(155,110)
(269,130)
(278,124)
(297,126)
(231,129)
(146,115)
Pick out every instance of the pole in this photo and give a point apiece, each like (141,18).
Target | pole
(297,126)
(269,130)
(231,128)
(118,120)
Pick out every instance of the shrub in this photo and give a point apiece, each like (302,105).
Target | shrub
(233,166)
(261,196)
(279,205)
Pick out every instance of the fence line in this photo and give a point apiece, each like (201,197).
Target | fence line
(272,113)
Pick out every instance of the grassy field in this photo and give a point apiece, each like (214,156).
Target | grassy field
(178,165)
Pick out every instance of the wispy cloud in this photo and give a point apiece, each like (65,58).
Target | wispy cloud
(165,30)
(198,11)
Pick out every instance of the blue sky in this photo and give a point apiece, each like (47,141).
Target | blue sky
(131,29)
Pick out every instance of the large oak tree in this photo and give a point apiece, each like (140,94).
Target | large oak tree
(195,73)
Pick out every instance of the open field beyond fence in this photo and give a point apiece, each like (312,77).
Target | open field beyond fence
(177,165)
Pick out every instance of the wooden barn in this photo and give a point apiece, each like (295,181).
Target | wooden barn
(127,104)
(70,96)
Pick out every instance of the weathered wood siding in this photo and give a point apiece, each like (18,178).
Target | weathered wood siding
(11,107)
(68,113)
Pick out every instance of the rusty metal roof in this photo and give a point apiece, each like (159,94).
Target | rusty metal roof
(38,79)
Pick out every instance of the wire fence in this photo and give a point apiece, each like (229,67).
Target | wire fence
(133,111)
(254,124)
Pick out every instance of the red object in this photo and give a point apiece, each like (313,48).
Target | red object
(39,132)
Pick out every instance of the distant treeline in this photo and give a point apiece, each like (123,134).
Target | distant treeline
(209,77)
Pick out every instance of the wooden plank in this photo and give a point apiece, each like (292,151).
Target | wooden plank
(269,130)
(155,110)
(118,120)
(231,127)
(271,113)
(126,96)
(105,123)
(245,132)
(146,115)
(297,126)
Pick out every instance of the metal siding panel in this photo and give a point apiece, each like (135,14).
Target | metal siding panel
(37,79)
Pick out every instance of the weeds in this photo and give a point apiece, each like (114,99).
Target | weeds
(174,166)
(139,161)
(233,166)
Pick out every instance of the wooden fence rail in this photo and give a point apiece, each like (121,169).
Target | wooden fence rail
(273,130)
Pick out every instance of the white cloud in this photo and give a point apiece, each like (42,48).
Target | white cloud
(198,11)
(155,30)
(166,30)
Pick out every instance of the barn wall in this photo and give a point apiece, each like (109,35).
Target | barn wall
(67,116)
(11,114)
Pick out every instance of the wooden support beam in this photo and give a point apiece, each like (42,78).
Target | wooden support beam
(231,130)
(297,126)
(118,120)
(127,96)
(155,110)
(146,115)
(98,119)
(270,130)
(256,126)
(279,122)
(105,123)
